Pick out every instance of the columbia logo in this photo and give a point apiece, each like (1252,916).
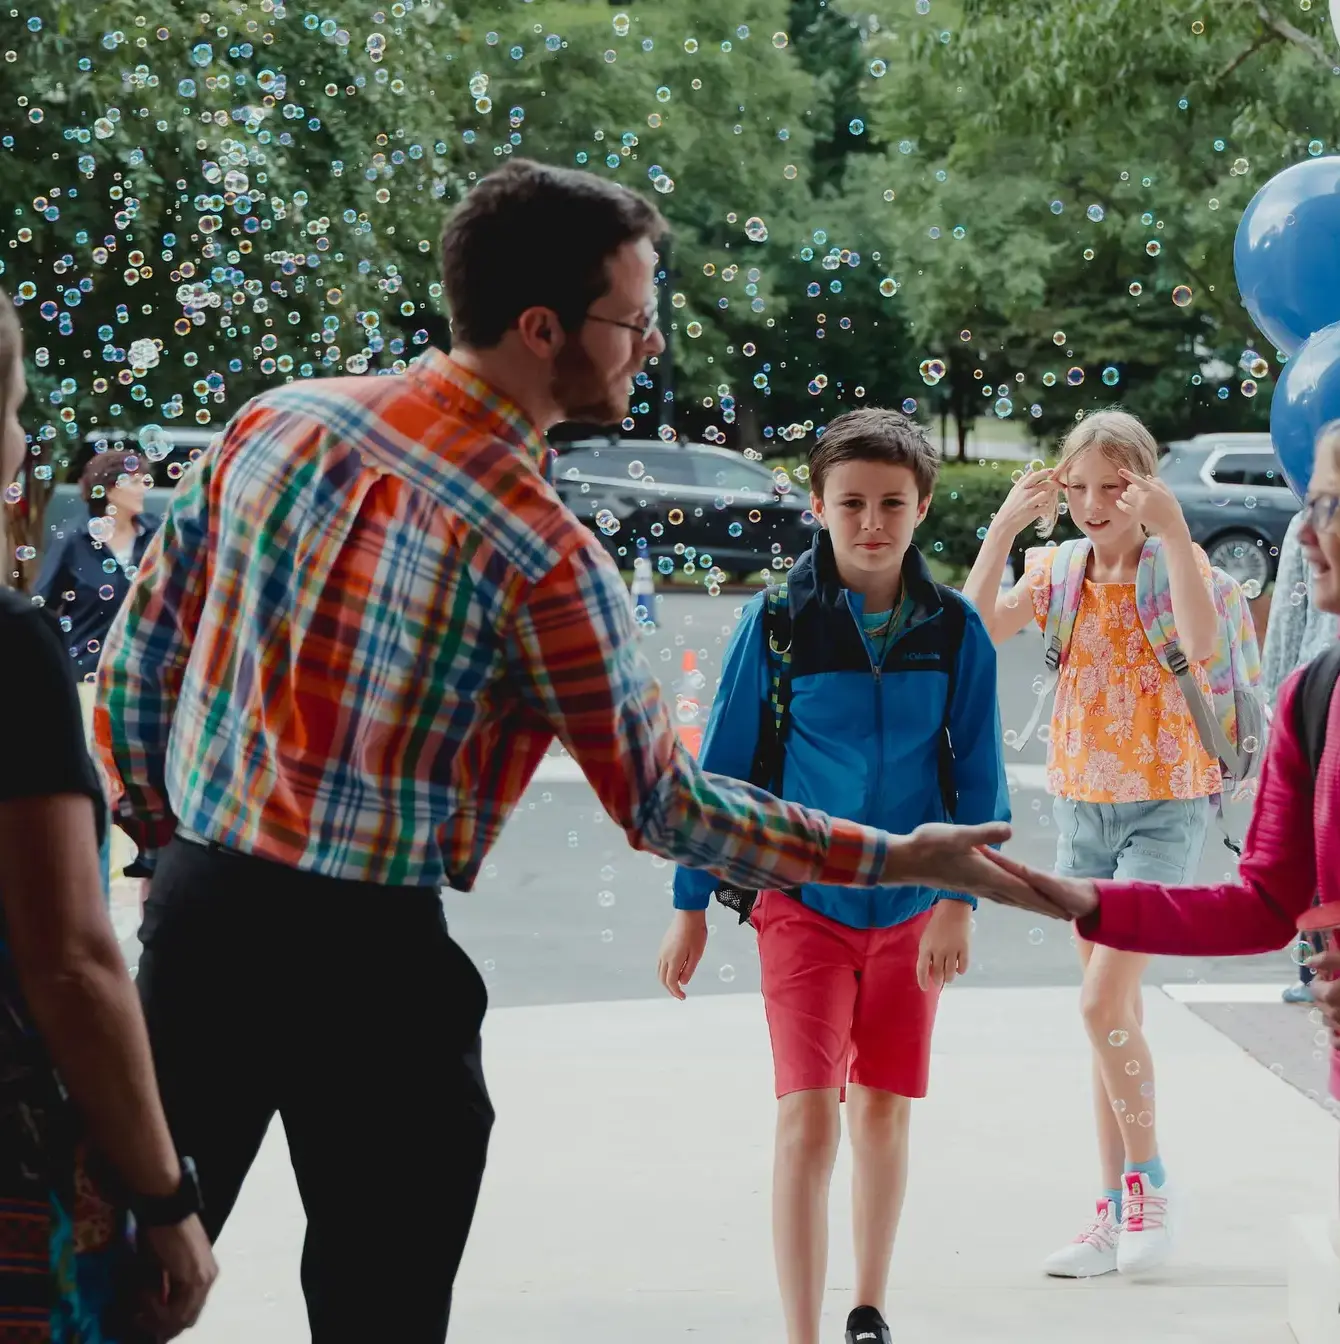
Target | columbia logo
(866,1334)
(912,658)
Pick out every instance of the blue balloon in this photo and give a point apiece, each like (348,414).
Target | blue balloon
(1307,397)
(1287,253)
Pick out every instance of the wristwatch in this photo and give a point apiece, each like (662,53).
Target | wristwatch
(167,1210)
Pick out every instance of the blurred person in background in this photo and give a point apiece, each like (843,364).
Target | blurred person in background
(1296,632)
(86,574)
(83,1139)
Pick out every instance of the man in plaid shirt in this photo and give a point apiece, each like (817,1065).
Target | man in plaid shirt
(364,620)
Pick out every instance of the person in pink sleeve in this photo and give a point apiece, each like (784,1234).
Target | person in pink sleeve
(1291,855)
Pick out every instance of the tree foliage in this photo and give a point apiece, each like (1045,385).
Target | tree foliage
(208,200)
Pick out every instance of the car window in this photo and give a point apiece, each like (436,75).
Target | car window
(666,466)
(719,472)
(1258,469)
(586,462)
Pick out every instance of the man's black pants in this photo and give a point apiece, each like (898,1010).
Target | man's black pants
(347,1009)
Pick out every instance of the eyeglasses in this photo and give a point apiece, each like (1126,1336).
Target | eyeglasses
(642,332)
(1319,511)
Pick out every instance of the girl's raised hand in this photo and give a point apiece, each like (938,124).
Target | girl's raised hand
(1151,503)
(1029,499)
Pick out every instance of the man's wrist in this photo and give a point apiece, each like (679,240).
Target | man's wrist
(899,860)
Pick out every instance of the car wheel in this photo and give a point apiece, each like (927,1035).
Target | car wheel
(1243,555)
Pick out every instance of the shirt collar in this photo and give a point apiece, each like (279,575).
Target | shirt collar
(442,378)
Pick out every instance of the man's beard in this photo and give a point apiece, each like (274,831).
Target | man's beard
(583,394)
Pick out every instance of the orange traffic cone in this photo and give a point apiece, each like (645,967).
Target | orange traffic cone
(687,707)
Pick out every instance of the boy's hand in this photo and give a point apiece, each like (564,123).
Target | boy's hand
(944,944)
(682,949)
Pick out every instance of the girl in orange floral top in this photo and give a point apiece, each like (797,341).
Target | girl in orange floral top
(1131,782)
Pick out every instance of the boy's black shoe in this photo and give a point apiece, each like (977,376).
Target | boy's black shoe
(866,1326)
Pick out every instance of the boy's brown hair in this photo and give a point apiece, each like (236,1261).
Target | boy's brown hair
(873,434)
(103,469)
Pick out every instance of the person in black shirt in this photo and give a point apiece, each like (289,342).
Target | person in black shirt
(83,1138)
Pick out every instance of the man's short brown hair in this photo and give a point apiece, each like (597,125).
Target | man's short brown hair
(103,469)
(531,236)
(872,434)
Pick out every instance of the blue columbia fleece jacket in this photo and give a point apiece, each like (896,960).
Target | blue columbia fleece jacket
(864,739)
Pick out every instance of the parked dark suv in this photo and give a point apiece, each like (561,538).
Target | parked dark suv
(685,501)
(1235,498)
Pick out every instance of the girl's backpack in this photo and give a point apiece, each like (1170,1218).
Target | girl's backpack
(1231,722)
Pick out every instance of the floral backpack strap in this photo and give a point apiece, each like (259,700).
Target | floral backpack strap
(1067,563)
(1153,600)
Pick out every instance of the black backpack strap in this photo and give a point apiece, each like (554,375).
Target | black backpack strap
(1312,707)
(955,623)
(775,715)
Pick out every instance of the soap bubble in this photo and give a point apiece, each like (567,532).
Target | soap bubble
(756,230)
(780,40)
(726,974)
(1074,376)
(1118,1037)
(1035,937)
(1182,295)
(607,522)
(1096,213)
(1132,1067)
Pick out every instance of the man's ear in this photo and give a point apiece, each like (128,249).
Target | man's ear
(817,508)
(923,508)
(540,331)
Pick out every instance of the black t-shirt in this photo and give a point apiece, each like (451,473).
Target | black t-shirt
(42,746)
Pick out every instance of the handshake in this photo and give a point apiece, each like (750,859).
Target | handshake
(957,858)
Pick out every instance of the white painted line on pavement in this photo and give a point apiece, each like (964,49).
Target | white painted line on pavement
(565,770)
(1225,993)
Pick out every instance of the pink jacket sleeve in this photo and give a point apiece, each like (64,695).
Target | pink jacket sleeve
(1277,873)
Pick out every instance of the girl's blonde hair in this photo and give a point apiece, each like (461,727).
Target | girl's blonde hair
(1119,436)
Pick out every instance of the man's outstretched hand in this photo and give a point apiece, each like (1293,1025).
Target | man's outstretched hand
(955,858)
(1065,898)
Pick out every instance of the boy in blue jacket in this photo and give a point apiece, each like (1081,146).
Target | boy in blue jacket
(889,688)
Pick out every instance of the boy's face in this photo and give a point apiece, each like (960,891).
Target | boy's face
(870,510)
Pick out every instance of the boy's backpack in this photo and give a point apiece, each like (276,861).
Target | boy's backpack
(775,721)
(1231,722)
(1312,708)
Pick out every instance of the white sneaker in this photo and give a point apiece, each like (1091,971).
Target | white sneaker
(1146,1236)
(1093,1252)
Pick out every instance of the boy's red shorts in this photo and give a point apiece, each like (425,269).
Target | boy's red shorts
(843,1004)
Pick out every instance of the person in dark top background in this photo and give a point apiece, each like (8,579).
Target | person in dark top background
(86,574)
(83,1137)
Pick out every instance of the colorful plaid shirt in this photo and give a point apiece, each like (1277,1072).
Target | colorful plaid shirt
(365,619)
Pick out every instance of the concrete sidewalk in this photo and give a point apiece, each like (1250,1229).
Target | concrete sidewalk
(628,1190)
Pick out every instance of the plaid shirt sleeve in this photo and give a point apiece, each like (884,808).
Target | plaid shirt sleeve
(144,658)
(574,657)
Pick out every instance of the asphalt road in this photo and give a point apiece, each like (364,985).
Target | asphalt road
(566,911)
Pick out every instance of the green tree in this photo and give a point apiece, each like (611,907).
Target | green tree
(208,203)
